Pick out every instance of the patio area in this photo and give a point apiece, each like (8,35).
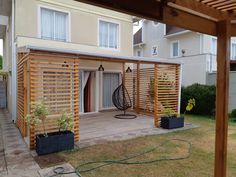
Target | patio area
(102,127)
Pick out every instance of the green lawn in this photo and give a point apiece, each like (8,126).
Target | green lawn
(198,164)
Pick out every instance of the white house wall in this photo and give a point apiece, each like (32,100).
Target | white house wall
(84,25)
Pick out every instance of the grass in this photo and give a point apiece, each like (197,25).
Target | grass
(199,164)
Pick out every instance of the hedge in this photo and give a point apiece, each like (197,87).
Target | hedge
(204,96)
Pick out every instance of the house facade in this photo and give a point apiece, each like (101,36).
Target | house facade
(196,51)
(73,56)
(67,25)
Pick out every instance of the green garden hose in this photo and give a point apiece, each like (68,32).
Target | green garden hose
(123,161)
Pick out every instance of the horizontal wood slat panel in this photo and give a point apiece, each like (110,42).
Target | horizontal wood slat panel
(158,89)
(53,79)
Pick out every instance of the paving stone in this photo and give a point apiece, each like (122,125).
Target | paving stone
(50,171)
(19,162)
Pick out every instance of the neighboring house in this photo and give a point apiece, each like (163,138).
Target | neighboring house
(196,51)
(55,50)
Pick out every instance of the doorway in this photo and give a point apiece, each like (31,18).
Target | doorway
(87,91)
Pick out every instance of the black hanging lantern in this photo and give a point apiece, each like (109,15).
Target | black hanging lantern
(101,68)
(128,70)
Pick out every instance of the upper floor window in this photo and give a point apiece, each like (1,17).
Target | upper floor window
(154,50)
(108,34)
(139,53)
(54,25)
(175,49)
(233,51)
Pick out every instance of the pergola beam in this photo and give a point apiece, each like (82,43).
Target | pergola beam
(233,29)
(198,8)
(188,21)
(157,11)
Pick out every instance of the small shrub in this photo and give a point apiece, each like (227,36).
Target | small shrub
(168,112)
(38,115)
(233,114)
(65,122)
(204,96)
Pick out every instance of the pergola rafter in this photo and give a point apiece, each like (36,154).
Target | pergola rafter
(213,17)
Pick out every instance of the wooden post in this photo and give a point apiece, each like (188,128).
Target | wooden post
(138,89)
(76,106)
(222,94)
(26,84)
(123,78)
(156,115)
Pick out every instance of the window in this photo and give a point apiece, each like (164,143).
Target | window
(213,63)
(175,49)
(139,53)
(54,25)
(154,50)
(233,51)
(108,34)
(214,46)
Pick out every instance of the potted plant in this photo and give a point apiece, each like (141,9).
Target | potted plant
(47,143)
(66,136)
(171,120)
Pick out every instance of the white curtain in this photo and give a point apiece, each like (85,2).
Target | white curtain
(103,34)
(81,91)
(175,49)
(113,35)
(60,26)
(49,18)
(47,25)
(110,83)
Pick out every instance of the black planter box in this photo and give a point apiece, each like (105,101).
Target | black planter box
(172,122)
(54,142)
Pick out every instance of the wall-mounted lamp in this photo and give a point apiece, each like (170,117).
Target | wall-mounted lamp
(183,52)
(128,70)
(101,68)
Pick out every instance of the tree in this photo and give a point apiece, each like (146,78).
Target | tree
(0,61)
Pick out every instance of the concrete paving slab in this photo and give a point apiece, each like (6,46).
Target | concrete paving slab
(48,172)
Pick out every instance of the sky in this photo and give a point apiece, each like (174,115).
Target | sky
(1,47)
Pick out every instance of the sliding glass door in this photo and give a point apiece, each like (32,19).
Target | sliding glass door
(110,83)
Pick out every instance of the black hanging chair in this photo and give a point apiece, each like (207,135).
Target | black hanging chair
(122,101)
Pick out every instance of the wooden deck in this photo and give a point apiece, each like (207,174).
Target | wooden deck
(103,127)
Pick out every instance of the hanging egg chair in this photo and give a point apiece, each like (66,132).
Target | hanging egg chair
(122,101)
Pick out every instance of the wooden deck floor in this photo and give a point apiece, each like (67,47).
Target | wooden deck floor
(103,127)
(104,124)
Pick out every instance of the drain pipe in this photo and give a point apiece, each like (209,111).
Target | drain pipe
(14,67)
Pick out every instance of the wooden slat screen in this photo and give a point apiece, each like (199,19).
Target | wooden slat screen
(56,83)
(167,92)
(22,92)
(156,90)
(53,79)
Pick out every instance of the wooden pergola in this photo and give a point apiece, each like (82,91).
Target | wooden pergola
(213,17)
(52,75)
